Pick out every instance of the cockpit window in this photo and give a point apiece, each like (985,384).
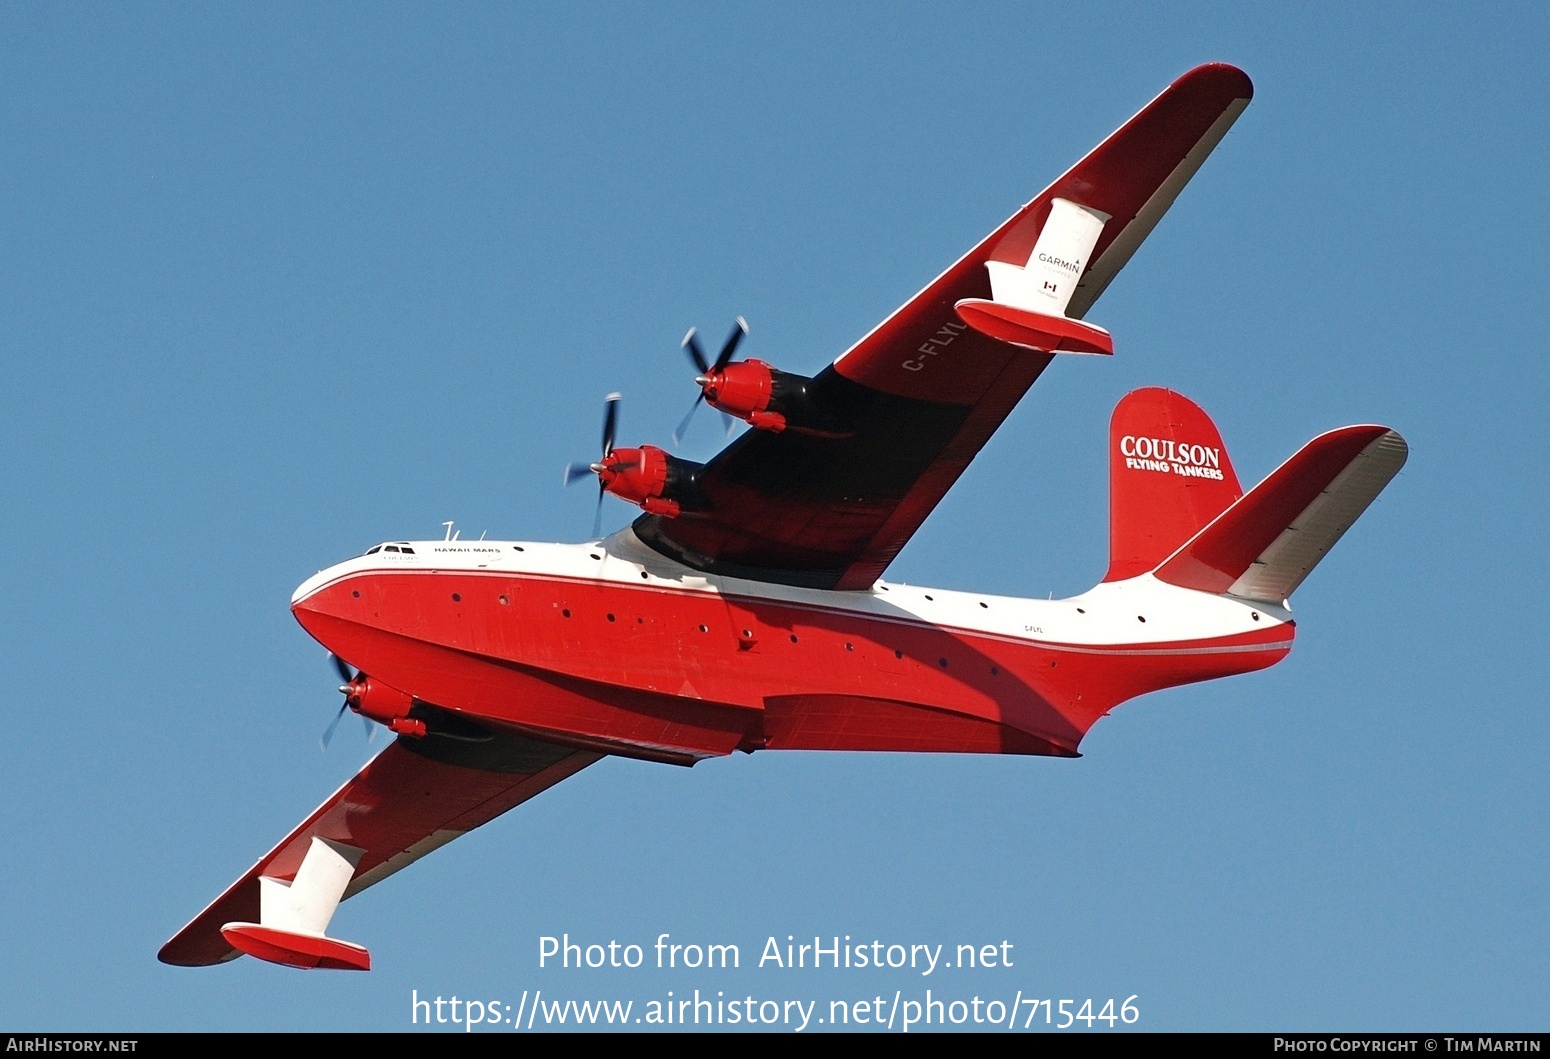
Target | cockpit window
(390,547)
(374,549)
(406,549)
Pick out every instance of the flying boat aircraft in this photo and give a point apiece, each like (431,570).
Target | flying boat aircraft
(744,609)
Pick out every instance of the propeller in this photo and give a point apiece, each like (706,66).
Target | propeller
(691,345)
(348,687)
(576,471)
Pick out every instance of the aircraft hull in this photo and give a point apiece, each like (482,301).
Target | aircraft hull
(680,674)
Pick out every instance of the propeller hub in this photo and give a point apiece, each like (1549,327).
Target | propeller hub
(710,372)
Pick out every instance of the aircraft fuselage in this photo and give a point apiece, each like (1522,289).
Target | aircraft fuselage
(612,646)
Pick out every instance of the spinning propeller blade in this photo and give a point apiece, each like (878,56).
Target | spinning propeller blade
(691,345)
(347,677)
(576,471)
(610,421)
(328,733)
(730,346)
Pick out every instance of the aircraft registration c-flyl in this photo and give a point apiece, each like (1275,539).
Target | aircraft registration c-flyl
(743,609)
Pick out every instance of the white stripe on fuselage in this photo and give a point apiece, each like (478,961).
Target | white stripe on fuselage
(1107,614)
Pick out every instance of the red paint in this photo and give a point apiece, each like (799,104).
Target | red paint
(635,475)
(1118,177)
(548,671)
(1034,330)
(1155,436)
(1223,551)
(307,951)
(389,809)
(374,699)
(924,351)
(655,671)
(740,390)
(1015,374)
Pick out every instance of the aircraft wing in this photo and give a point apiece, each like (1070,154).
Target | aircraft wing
(414,797)
(919,396)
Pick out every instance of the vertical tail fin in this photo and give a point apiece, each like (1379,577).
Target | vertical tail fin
(1169,476)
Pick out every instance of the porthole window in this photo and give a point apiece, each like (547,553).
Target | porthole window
(566,613)
(456,598)
(505,601)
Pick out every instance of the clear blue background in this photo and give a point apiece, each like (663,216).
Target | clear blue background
(280,281)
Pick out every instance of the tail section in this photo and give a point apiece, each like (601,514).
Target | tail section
(1180,516)
(1169,477)
(1265,544)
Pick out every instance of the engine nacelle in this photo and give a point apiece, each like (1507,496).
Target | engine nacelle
(652,479)
(764,397)
(744,390)
(385,705)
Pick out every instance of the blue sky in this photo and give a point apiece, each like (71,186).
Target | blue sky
(278,282)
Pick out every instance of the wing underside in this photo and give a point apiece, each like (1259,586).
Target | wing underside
(414,797)
(911,404)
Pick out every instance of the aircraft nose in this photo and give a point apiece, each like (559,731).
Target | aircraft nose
(307,603)
(307,588)
(322,606)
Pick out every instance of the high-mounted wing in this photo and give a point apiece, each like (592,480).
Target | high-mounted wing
(906,408)
(414,797)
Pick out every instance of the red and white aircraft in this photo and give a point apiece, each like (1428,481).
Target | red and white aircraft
(743,610)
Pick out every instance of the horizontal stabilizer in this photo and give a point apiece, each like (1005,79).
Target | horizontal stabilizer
(1265,544)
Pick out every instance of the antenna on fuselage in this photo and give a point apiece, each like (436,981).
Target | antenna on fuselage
(448,524)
